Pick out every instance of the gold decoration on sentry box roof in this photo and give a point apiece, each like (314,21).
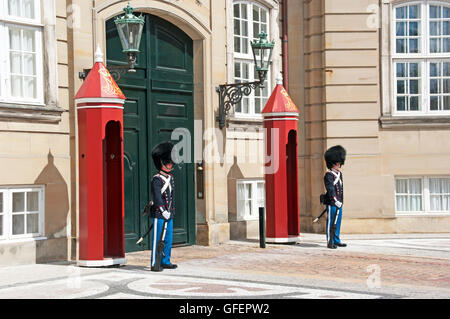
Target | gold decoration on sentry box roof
(289,104)
(111,86)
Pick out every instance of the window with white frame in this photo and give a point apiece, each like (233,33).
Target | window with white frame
(21,62)
(250,197)
(421,58)
(22,212)
(408,194)
(428,194)
(250,19)
(439,189)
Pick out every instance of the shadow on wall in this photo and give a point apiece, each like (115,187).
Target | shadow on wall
(235,171)
(56,212)
(234,174)
(238,230)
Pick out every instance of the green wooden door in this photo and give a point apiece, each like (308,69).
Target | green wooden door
(159,100)
(172,107)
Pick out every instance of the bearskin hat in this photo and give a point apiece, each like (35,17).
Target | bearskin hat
(335,154)
(162,153)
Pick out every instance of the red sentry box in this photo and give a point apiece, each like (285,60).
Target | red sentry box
(281,173)
(99,104)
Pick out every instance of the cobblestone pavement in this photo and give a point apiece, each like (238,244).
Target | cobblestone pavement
(409,262)
(370,267)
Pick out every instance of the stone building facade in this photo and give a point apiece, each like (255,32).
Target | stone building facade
(358,93)
(367,74)
(36,194)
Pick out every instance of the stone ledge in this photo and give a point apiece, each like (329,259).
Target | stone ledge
(237,122)
(29,113)
(414,122)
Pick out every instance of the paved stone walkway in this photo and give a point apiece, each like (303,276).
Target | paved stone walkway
(370,267)
(313,260)
(139,283)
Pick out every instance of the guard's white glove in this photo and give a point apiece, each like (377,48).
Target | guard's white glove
(338,204)
(166,214)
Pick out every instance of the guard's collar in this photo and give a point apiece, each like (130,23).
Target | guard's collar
(165,174)
(334,172)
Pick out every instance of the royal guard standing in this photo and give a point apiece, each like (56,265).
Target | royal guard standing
(334,198)
(163,208)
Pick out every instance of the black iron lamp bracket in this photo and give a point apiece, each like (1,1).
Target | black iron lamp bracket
(232,94)
(116,71)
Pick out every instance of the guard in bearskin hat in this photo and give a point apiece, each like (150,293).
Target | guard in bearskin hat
(334,197)
(163,209)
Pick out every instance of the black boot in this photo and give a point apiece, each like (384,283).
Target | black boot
(157,268)
(169,266)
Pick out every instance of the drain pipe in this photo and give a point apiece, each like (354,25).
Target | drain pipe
(284,41)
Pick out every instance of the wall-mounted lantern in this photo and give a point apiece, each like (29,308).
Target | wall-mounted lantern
(129,28)
(231,94)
